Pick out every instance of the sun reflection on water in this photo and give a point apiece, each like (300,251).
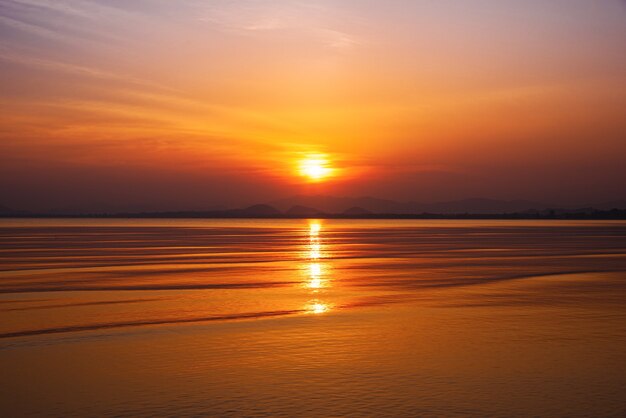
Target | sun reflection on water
(315,251)
(314,228)
(315,276)
(316,271)
(315,283)
(317,308)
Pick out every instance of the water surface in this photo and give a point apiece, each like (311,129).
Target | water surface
(312,318)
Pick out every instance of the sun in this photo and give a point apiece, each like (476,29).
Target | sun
(315,168)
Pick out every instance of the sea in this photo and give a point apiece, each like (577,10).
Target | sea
(312,318)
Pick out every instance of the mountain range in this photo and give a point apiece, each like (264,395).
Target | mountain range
(330,204)
(312,205)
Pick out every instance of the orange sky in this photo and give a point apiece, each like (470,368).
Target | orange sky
(157,104)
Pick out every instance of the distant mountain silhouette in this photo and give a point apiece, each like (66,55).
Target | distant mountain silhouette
(261,210)
(365,207)
(6,211)
(103,207)
(302,211)
(480,205)
(330,204)
(356,211)
(616,204)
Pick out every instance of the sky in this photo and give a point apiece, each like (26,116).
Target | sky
(194,104)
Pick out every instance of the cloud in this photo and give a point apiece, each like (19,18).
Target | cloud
(75,22)
(313,21)
(75,8)
(338,39)
(59,6)
(7,55)
(35,29)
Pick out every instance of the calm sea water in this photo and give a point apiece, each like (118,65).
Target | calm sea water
(312,318)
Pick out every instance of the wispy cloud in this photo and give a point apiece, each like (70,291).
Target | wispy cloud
(69,21)
(264,16)
(59,6)
(36,29)
(51,65)
(76,8)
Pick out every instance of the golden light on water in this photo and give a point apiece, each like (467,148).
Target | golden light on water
(315,283)
(315,279)
(315,246)
(318,308)
(315,251)
(314,228)
(316,272)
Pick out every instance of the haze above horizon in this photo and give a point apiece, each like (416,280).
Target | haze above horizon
(193,104)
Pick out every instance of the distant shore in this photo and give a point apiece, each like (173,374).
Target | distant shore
(616,214)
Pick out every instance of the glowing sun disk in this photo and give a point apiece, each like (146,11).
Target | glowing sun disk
(315,169)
